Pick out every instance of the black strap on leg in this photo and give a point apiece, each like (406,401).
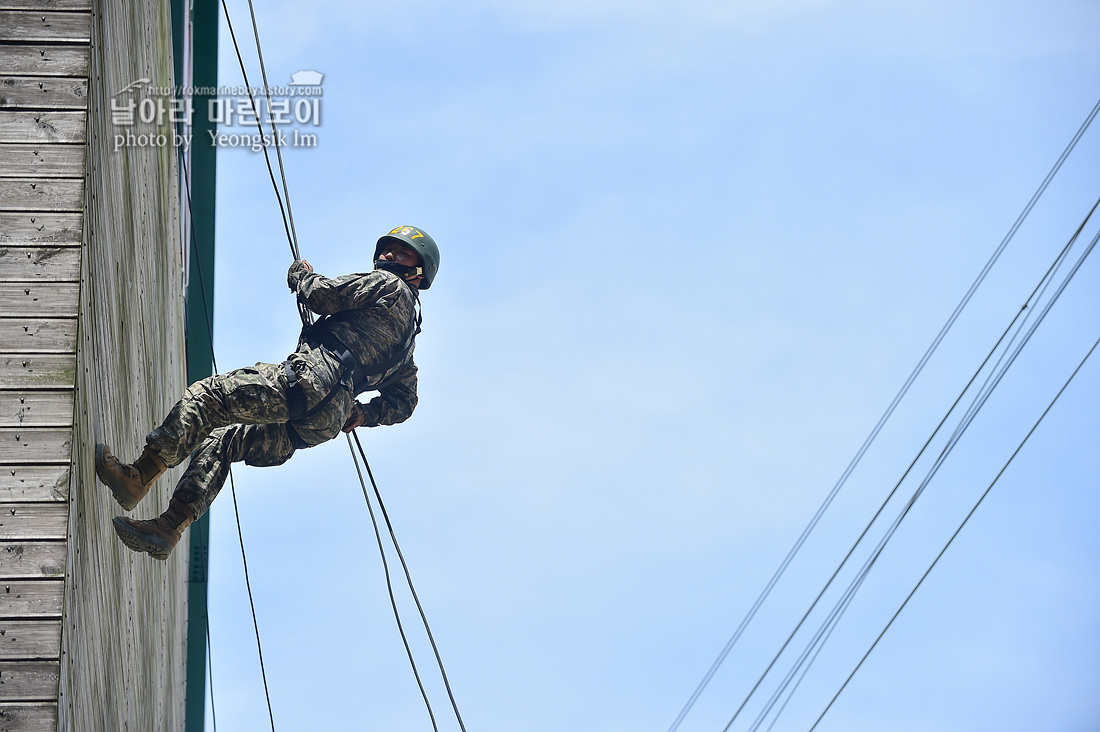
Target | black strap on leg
(295,438)
(295,396)
(296,404)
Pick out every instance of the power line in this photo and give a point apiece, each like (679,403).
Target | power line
(983,395)
(959,529)
(878,428)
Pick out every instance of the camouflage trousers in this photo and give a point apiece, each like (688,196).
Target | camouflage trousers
(242,415)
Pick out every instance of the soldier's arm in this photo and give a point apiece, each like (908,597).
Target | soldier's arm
(326,296)
(395,402)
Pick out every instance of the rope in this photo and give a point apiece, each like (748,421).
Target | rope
(251,602)
(307,319)
(288,216)
(389,585)
(274,133)
(878,428)
(270,171)
(232,484)
(408,577)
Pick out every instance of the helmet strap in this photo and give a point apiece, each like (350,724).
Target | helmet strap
(404,272)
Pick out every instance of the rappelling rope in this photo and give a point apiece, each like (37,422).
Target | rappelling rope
(285,210)
(232,484)
(405,567)
(389,582)
(307,319)
(274,134)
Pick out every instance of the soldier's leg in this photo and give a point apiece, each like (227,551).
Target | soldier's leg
(259,445)
(255,395)
(248,396)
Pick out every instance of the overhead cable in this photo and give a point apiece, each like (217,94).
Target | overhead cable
(1000,368)
(954,535)
(878,427)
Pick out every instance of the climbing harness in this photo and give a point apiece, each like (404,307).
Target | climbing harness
(355,376)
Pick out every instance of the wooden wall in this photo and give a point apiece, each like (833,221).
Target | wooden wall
(92,636)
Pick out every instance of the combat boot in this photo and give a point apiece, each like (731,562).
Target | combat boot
(158,536)
(128,483)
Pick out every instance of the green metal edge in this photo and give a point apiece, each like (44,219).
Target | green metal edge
(199,311)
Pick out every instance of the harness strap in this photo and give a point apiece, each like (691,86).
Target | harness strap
(296,396)
(296,405)
(355,374)
(295,439)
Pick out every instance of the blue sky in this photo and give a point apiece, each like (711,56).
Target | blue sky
(690,252)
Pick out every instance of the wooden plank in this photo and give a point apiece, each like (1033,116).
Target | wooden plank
(45,4)
(37,371)
(44,60)
(41,228)
(42,161)
(34,483)
(31,559)
(28,717)
(45,194)
(45,299)
(36,92)
(33,521)
(32,598)
(39,127)
(35,445)
(36,408)
(49,26)
(29,680)
(30,640)
(42,263)
(38,335)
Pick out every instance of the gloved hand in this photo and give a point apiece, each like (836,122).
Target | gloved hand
(295,273)
(356,419)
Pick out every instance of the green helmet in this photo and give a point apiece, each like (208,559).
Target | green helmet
(423,244)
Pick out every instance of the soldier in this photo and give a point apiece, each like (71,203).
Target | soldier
(261,415)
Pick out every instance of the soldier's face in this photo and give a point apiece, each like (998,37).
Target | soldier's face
(404,255)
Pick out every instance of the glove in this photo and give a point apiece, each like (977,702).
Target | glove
(295,273)
(356,419)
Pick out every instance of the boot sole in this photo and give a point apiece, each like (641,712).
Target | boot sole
(142,541)
(118,490)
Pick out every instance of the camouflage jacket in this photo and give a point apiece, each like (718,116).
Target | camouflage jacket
(370,313)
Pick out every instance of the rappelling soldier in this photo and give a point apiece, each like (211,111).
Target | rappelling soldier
(363,341)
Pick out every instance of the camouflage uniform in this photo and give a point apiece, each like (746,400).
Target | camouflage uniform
(243,414)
